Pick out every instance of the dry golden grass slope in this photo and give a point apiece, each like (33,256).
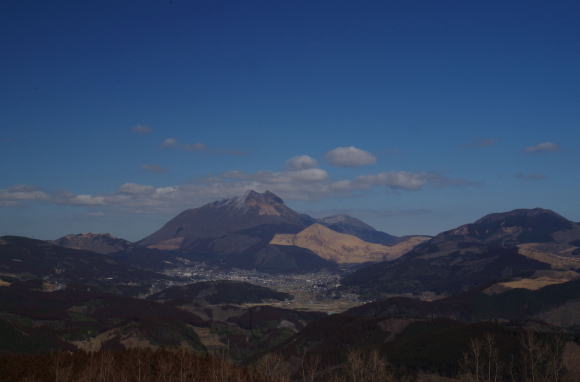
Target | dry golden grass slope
(344,248)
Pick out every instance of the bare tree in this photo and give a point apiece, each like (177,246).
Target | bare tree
(367,367)
(481,361)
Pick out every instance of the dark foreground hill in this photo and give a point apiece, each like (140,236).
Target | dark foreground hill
(450,336)
(557,305)
(80,319)
(77,318)
(45,266)
(498,247)
(218,292)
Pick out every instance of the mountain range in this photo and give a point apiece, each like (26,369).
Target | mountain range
(253,231)
(524,247)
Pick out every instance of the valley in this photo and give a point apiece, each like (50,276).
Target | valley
(311,291)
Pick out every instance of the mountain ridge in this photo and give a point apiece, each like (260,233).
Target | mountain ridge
(344,223)
(497,247)
(341,247)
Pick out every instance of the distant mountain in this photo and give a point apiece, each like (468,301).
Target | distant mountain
(236,233)
(343,248)
(96,242)
(496,247)
(46,266)
(218,292)
(216,219)
(356,227)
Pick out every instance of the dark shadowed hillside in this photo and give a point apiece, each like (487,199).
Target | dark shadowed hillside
(50,267)
(218,292)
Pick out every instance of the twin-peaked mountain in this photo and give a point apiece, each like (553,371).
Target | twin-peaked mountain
(257,230)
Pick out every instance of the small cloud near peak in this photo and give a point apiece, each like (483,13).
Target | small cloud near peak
(170,142)
(301,162)
(350,156)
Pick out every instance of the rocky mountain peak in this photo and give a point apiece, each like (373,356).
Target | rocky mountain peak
(253,198)
(266,203)
(96,242)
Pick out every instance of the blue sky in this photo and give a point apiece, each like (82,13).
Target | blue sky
(415,116)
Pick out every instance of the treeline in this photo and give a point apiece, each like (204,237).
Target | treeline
(538,358)
(124,366)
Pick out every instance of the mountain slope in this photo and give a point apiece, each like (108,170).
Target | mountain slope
(496,247)
(251,249)
(356,227)
(343,248)
(95,242)
(557,305)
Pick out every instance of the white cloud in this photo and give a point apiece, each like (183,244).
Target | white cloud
(142,129)
(80,199)
(397,180)
(542,147)
(309,174)
(301,162)
(170,142)
(293,184)
(134,188)
(350,157)
(13,195)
